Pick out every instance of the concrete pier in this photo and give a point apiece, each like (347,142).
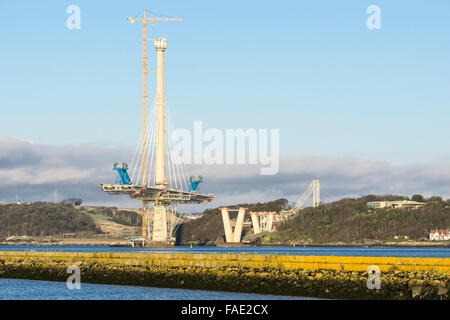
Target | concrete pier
(230,235)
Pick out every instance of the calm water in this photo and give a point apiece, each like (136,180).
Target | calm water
(16,289)
(326,251)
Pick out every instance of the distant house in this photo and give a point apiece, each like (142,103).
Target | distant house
(395,204)
(439,235)
(191,216)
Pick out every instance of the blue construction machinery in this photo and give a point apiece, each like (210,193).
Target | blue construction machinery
(123,177)
(193,183)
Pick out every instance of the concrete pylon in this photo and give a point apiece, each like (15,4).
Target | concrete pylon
(316,193)
(262,221)
(239,224)
(227,225)
(144,220)
(159,212)
(159,223)
(160,47)
(255,223)
(269,222)
(231,236)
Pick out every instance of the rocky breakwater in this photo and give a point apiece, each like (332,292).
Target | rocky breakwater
(305,276)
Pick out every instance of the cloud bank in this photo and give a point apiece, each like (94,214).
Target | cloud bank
(34,172)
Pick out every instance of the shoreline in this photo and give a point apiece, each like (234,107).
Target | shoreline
(109,242)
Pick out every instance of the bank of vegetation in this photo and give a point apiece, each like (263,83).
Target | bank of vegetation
(37,219)
(347,221)
(43,219)
(120,216)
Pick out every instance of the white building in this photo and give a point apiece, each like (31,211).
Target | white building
(395,204)
(439,235)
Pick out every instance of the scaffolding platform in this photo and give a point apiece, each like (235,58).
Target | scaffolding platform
(155,194)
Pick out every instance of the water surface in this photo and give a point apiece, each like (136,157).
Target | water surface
(18,289)
(432,252)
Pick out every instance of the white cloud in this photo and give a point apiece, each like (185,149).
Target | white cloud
(34,171)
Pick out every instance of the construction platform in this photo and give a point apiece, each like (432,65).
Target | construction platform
(145,244)
(155,194)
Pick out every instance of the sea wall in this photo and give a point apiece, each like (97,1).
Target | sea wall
(315,276)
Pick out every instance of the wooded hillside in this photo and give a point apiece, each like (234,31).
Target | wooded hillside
(43,218)
(350,220)
(347,220)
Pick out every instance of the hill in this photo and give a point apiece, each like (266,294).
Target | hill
(45,218)
(344,221)
(347,221)
(115,221)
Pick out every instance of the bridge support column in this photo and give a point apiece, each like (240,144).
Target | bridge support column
(227,225)
(231,236)
(144,219)
(159,223)
(269,222)
(316,193)
(239,224)
(262,221)
(255,223)
(160,46)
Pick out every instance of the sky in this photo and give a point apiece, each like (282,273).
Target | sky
(362,110)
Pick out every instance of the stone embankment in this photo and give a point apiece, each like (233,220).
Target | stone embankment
(306,276)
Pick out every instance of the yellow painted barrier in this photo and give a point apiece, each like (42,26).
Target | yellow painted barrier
(339,263)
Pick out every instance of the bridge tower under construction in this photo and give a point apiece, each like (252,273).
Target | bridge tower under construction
(157,192)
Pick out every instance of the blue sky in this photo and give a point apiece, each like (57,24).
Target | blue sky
(334,88)
(310,68)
